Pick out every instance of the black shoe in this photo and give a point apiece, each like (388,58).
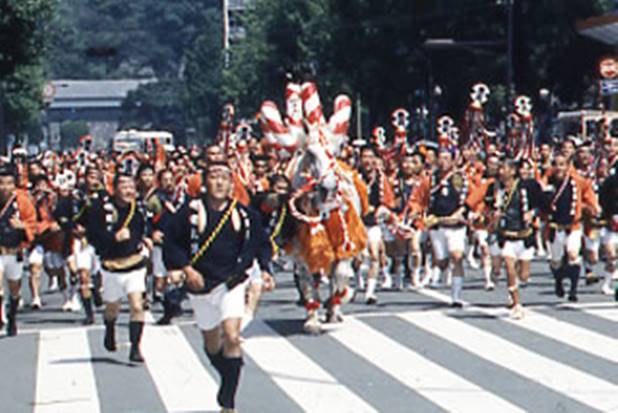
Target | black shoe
(11,328)
(372,301)
(573,297)
(457,304)
(88,321)
(165,320)
(559,289)
(110,337)
(135,355)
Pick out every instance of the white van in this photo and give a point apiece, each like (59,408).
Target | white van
(139,141)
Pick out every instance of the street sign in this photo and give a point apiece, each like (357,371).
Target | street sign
(49,91)
(609,87)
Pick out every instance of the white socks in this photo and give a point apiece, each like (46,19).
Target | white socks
(371,287)
(456,288)
(607,284)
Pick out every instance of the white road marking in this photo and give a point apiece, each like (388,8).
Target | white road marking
(304,381)
(65,378)
(434,382)
(181,379)
(562,378)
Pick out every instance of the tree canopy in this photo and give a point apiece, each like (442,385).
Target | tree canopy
(23,39)
(373,50)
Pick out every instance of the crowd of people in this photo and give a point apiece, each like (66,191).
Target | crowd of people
(210,224)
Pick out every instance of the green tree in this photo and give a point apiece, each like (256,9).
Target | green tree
(156,106)
(98,39)
(23,29)
(376,49)
(22,98)
(203,77)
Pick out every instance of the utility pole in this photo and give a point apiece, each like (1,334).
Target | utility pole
(3,146)
(226,33)
(359,118)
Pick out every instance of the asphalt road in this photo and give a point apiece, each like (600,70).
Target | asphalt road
(410,353)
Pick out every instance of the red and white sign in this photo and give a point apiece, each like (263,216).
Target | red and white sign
(608,68)
(49,91)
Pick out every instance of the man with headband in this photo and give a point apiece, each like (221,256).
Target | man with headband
(442,198)
(214,242)
(118,229)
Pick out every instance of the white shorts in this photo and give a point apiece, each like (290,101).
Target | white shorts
(117,285)
(10,267)
(517,249)
(158,266)
(220,304)
(563,241)
(446,241)
(84,256)
(374,234)
(481,236)
(36,256)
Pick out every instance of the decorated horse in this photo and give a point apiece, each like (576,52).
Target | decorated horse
(328,198)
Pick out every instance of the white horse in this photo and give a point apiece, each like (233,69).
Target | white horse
(325,200)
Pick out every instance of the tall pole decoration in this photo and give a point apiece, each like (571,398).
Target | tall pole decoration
(475,133)
(521,129)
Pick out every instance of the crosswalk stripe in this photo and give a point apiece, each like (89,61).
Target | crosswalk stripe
(610,314)
(183,383)
(571,334)
(65,378)
(304,381)
(607,311)
(564,379)
(434,382)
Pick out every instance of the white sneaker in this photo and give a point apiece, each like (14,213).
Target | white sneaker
(53,286)
(36,303)
(490,286)
(387,284)
(607,289)
(76,306)
(67,306)
(517,313)
(473,263)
